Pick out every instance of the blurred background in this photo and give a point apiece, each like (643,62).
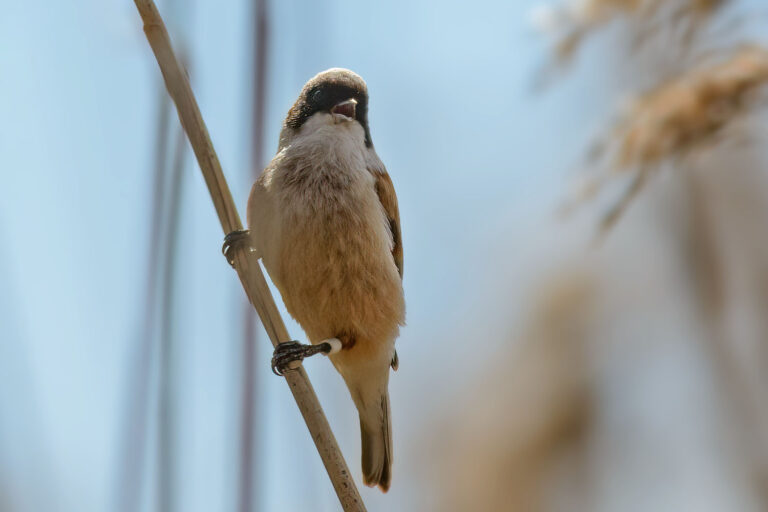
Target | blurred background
(583,193)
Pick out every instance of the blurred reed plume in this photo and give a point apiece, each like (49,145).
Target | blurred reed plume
(571,22)
(697,110)
(689,111)
(685,114)
(521,426)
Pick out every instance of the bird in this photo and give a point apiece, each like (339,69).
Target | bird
(324,218)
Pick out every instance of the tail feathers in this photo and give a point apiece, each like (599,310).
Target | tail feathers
(376,432)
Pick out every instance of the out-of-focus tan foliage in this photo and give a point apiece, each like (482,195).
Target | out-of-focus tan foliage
(728,251)
(516,428)
(680,116)
(686,112)
(527,426)
(571,22)
(676,117)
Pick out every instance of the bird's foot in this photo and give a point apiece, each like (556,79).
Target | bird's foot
(234,241)
(289,354)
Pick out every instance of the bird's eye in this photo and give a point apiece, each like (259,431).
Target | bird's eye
(317,96)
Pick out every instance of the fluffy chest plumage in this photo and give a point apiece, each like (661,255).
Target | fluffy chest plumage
(326,239)
(324,188)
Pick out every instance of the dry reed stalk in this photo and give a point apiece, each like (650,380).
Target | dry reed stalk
(677,118)
(246,263)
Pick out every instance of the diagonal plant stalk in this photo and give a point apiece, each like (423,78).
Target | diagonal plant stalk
(246,263)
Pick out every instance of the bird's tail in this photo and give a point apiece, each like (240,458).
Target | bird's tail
(376,432)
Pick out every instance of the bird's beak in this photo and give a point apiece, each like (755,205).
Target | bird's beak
(344,111)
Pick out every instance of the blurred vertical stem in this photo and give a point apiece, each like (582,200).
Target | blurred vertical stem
(167,405)
(245,262)
(133,439)
(708,277)
(248,431)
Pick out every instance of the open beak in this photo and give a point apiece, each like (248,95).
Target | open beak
(344,110)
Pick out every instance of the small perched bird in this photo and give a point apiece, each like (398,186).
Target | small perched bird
(323,216)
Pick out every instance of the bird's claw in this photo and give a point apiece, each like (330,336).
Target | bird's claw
(288,352)
(234,241)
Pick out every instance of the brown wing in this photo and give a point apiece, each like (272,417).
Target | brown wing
(386,191)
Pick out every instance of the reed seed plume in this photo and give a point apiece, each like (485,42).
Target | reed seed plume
(571,22)
(685,113)
(679,117)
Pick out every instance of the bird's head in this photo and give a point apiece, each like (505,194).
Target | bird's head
(335,96)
